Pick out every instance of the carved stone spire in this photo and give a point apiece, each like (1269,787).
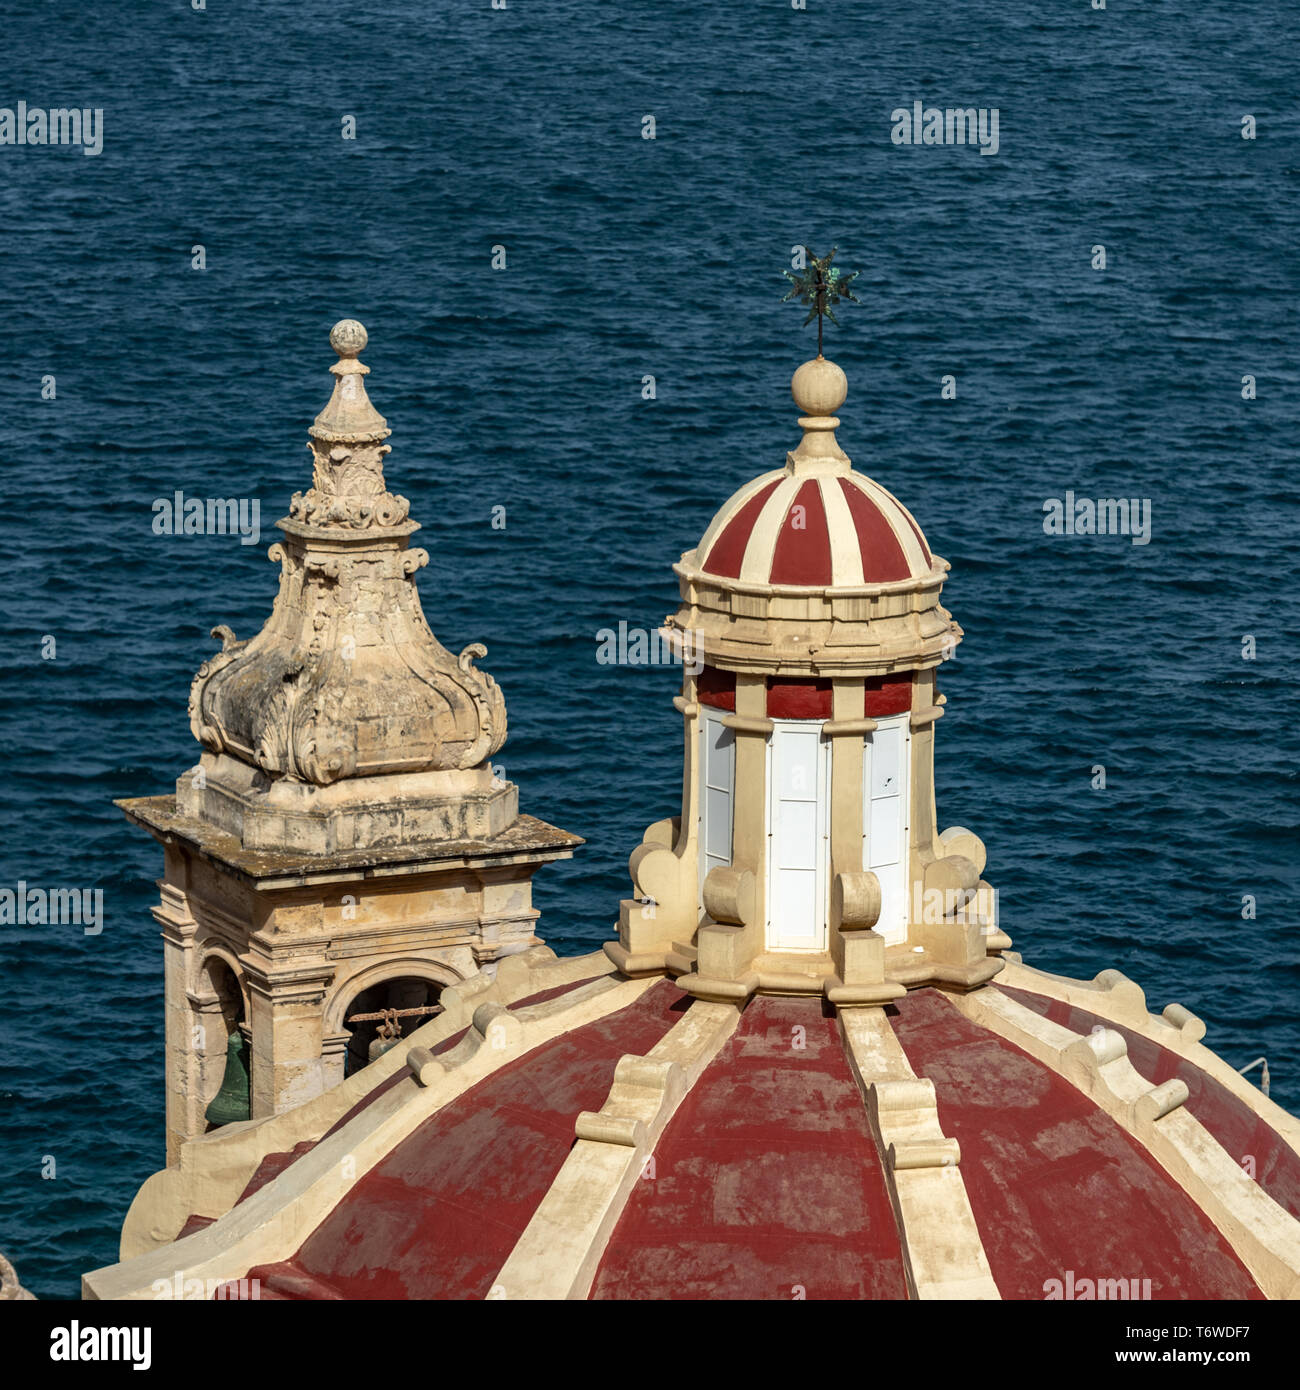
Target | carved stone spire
(346,687)
(348,486)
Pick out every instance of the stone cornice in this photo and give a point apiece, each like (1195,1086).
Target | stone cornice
(528,840)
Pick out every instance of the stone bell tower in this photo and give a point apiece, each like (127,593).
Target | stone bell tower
(344,838)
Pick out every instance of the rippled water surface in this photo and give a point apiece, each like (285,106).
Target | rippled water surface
(628,257)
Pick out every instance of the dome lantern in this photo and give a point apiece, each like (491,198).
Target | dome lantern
(807,857)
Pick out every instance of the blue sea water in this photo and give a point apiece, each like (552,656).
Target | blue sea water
(522,387)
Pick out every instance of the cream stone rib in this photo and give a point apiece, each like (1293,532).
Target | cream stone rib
(531,972)
(215,1168)
(846,554)
(902,507)
(1265,1237)
(729,510)
(1118,999)
(891,509)
(757,565)
(943,1252)
(273,1223)
(560,1250)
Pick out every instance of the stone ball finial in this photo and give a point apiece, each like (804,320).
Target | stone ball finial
(348,338)
(819,387)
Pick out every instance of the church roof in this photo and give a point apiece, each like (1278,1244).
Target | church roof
(705,1109)
(584,1134)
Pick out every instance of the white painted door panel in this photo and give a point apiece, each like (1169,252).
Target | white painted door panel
(798,786)
(717,791)
(886,775)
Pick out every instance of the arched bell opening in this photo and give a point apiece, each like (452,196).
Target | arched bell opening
(381,1015)
(225,1062)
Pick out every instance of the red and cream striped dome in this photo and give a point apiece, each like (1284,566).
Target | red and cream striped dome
(615,1138)
(839,529)
(815,523)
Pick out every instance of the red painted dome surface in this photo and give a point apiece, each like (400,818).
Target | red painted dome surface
(1058,1185)
(1232,1122)
(771,1167)
(768,1181)
(839,529)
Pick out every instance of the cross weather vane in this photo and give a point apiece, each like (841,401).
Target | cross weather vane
(820,285)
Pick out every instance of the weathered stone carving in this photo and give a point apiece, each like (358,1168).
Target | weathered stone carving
(10,1288)
(345,835)
(346,679)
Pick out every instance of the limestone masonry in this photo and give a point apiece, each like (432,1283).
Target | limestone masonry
(808,1063)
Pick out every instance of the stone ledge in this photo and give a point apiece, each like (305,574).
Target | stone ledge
(528,840)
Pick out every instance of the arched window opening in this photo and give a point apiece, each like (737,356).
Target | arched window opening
(223,983)
(225,1048)
(381,1016)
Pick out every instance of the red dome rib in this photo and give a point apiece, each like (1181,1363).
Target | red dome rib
(1055,1184)
(439,1215)
(803,553)
(767,1178)
(727,553)
(882,556)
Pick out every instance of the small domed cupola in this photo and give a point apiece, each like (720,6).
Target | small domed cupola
(807,857)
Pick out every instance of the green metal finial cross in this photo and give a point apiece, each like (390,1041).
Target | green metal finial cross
(820,285)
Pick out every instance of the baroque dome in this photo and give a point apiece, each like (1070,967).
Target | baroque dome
(809,1066)
(784,529)
(813,569)
(567,1132)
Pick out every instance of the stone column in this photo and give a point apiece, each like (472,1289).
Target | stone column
(183,1062)
(334,1058)
(857,950)
(287,1033)
(846,730)
(211,1037)
(925,714)
(749,835)
(687,704)
(727,949)
(506,912)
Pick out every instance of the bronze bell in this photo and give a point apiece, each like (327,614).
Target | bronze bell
(387,1035)
(232,1101)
